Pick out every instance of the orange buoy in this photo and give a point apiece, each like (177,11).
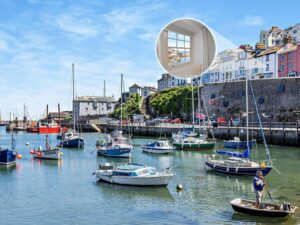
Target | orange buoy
(19,156)
(39,154)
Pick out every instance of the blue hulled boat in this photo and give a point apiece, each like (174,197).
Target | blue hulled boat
(7,156)
(237,143)
(71,139)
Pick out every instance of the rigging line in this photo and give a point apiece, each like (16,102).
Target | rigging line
(207,113)
(260,124)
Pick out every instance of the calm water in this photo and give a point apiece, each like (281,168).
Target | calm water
(65,192)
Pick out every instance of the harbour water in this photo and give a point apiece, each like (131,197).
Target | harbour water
(65,192)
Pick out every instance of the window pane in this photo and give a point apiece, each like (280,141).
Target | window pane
(171,34)
(187,38)
(180,37)
(187,44)
(171,43)
(180,44)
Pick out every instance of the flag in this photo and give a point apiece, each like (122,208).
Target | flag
(200,116)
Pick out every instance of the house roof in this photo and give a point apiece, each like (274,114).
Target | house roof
(270,50)
(135,86)
(288,48)
(95,98)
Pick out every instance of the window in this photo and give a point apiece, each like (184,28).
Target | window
(290,66)
(179,48)
(281,57)
(290,56)
(281,67)
(267,67)
(267,57)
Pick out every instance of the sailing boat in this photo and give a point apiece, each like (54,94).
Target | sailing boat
(1,123)
(240,163)
(72,139)
(115,144)
(7,156)
(48,153)
(193,143)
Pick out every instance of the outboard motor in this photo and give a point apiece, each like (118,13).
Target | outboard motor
(287,206)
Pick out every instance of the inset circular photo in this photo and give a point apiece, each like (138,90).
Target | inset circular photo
(185,48)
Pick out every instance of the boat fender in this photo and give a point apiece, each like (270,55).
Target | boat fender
(236,169)
(179,187)
(227,169)
(263,165)
(286,206)
(214,165)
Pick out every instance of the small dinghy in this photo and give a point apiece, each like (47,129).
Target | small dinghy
(265,209)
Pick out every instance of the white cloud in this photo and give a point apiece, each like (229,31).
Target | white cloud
(251,20)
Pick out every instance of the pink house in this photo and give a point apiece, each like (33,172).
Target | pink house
(289,59)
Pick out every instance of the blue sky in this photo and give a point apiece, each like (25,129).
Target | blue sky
(40,39)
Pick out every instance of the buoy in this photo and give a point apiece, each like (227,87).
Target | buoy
(19,156)
(27,143)
(39,154)
(179,187)
(32,152)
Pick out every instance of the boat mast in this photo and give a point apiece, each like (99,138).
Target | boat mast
(73,95)
(193,104)
(121,100)
(247,112)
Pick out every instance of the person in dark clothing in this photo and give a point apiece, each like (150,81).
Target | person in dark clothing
(258,184)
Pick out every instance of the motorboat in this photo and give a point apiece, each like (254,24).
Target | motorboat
(196,144)
(133,174)
(48,153)
(237,143)
(265,209)
(159,146)
(72,139)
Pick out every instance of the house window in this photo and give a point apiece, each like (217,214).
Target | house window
(282,67)
(267,57)
(267,67)
(290,66)
(281,57)
(179,48)
(290,56)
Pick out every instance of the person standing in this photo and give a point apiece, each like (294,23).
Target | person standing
(258,184)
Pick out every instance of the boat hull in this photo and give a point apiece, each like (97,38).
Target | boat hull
(7,157)
(50,154)
(267,210)
(137,181)
(157,150)
(239,144)
(117,152)
(246,171)
(194,147)
(73,143)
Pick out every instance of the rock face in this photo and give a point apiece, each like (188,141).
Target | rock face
(278,100)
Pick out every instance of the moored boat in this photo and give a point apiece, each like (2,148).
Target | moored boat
(265,209)
(133,174)
(71,139)
(196,144)
(7,156)
(48,153)
(237,143)
(159,146)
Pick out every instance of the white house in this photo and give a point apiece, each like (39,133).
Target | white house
(93,106)
(168,81)
(135,89)
(146,91)
(271,37)
(227,64)
(294,31)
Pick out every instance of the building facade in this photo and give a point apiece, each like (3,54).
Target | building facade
(289,59)
(146,91)
(167,81)
(93,106)
(135,89)
(271,37)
